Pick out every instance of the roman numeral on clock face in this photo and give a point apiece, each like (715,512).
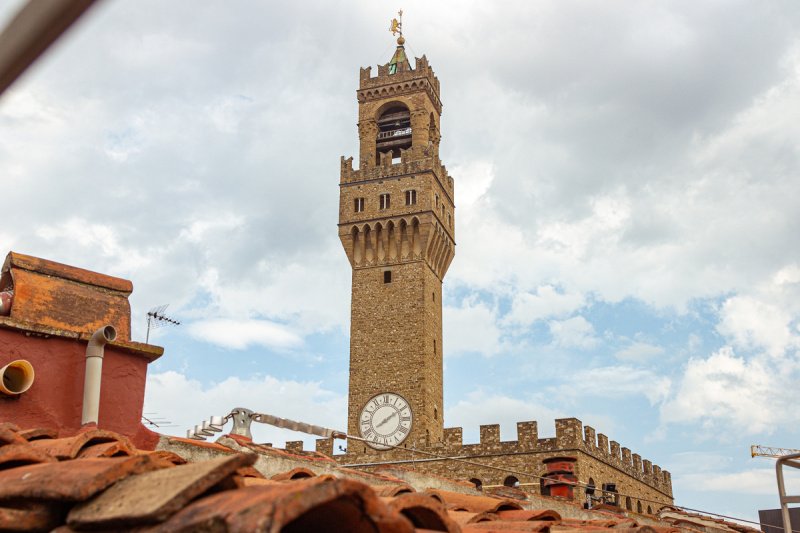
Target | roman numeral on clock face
(385,421)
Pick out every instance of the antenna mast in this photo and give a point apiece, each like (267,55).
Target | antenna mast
(156,318)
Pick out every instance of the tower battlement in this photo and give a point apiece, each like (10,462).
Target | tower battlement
(405,167)
(397,228)
(404,81)
(571,436)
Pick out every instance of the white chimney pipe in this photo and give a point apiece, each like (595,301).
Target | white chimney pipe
(94,373)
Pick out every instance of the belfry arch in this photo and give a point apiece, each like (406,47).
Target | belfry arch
(394,130)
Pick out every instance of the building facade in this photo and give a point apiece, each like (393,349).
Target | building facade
(397,227)
(396,223)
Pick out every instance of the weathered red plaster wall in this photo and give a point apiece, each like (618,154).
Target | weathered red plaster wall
(56,398)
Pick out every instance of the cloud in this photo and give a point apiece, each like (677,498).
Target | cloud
(474,179)
(752,325)
(639,352)
(649,158)
(620,382)
(471,328)
(480,408)
(186,402)
(575,332)
(241,334)
(726,389)
(752,481)
(546,302)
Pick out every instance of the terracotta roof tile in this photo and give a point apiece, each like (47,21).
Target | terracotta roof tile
(423,511)
(573,528)
(39,433)
(529,515)
(686,519)
(294,473)
(60,270)
(31,516)
(9,426)
(168,456)
(154,496)
(371,478)
(463,518)
(456,501)
(219,490)
(252,481)
(15,455)
(249,471)
(506,492)
(68,299)
(395,490)
(602,523)
(70,447)
(10,436)
(301,505)
(106,449)
(245,476)
(508,526)
(72,481)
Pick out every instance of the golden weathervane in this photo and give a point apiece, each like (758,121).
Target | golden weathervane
(397,25)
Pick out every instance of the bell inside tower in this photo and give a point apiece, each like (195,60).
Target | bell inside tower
(394,131)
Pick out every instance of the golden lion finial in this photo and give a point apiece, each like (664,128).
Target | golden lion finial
(397,25)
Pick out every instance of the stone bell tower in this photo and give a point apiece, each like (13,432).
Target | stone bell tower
(397,226)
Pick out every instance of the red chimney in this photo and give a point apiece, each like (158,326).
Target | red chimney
(54,310)
(560,478)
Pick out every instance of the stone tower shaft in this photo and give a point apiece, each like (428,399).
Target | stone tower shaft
(397,227)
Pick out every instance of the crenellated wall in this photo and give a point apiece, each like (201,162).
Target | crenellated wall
(598,460)
(405,167)
(384,85)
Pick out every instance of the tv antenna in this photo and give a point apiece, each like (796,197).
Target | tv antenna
(153,421)
(156,318)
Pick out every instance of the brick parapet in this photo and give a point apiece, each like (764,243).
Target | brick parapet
(571,437)
(590,437)
(602,445)
(615,451)
(407,166)
(406,80)
(527,435)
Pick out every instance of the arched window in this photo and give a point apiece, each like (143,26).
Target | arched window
(394,131)
(628,504)
(590,487)
(639,507)
(477,482)
(649,510)
(511,481)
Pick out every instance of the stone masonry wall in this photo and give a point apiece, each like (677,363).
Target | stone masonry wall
(395,328)
(598,461)
(399,253)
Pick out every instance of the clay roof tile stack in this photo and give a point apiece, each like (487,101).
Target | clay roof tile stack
(97,480)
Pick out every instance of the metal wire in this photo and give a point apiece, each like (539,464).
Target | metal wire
(535,476)
(432,456)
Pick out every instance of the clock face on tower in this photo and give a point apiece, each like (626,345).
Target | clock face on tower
(385,420)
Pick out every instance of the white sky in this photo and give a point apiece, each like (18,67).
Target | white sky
(626,204)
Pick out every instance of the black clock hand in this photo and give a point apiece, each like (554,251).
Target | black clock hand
(386,419)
